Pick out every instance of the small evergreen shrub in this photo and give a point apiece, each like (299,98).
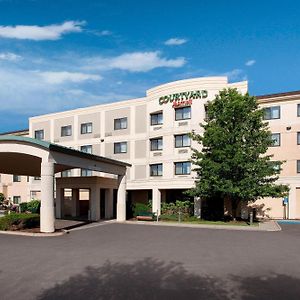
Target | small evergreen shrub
(16,221)
(34,206)
(23,207)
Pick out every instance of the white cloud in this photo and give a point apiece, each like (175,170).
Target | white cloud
(175,41)
(9,56)
(39,33)
(250,62)
(134,62)
(61,77)
(104,33)
(235,75)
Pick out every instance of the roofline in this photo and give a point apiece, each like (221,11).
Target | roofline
(58,148)
(276,95)
(15,131)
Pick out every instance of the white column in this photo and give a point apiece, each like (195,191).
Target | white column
(121,201)
(292,208)
(47,197)
(59,203)
(75,203)
(95,203)
(156,201)
(197,207)
(109,194)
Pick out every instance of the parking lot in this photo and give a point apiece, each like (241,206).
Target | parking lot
(121,261)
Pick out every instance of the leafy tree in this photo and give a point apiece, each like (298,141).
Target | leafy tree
(232,163)
(2,198)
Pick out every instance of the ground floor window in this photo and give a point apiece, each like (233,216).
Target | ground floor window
(182,168)
(16,199)
(86,172)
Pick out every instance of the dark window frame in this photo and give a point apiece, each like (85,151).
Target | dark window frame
(17,178)
(270,108)
(156,170)
(181,136)
(118,123)
(278,134)
(298,166)
(182,168)
(64,131)
(156,143)
(154,119)
(84,128)
(118,144)
(37,132)
(86,147)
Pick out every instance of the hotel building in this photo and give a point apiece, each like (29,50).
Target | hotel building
(151,133)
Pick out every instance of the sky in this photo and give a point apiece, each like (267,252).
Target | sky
(62,54)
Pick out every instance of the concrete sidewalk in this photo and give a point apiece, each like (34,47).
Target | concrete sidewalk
(269,225)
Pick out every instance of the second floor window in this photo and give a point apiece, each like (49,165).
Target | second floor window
(156,119)
(183,113)
(87,149)
(276,139)
(39,134)
(120,123)
(156,144)
(66,173)
(272,113)
(86,128)
(16,178)
(156,170)
(86,172)
(182,140)
(66,130)
(120,147)
(183,168)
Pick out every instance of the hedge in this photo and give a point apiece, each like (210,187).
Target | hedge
(15,221)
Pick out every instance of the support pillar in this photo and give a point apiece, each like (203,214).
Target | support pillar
(156,201)
(47,218)
(75,203)
(109,194)
(121,200)
(59,203)
(95,203)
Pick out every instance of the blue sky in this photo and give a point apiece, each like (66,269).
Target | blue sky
(64,54)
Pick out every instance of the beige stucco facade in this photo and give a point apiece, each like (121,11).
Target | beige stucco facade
(109,134)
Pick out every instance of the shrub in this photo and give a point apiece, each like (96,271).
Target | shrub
(139,208)
(15,221)
(34,206)
(184,207)
(23,206)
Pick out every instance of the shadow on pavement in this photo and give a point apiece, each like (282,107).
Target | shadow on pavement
(154,279)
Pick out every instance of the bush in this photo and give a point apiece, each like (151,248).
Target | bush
(140,208)
(34,206)
(23,206)
(15,221)
(174,208)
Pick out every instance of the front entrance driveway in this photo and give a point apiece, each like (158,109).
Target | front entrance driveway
(122,261)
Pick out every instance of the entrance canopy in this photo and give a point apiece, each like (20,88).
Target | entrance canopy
(31,157)
(23,156)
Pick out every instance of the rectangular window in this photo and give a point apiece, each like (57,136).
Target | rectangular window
(66,173)
(272,113)
(86,172)
(120,147)
(156,119)
(298,138)
(276,165)
(39,134)
(183,113)
(156,144)
(298,166)
(86,128)
(16,178)
(156,170)
(276,139)
(87,149)
(120,123)
(182,140)
(298,110)
(183,168)
(16,199)
(66,130)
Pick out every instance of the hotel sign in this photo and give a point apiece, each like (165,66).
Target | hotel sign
(184,98)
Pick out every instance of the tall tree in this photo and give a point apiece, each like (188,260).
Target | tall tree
(233,163)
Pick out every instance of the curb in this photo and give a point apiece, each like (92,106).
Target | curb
(198,226)
(278,226)
(33,234)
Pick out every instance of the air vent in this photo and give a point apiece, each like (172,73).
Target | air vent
(157,154)
(157,128)
(182,123)
(108,134)
(183,151)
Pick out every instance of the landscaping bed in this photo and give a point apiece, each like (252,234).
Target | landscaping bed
(20,222)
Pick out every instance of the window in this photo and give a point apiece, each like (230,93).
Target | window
(66,130)
(120,147)
(16,199)
(87,149)
(183,113)
(298,138)
(272,113)
(86,172)
(156,170)
(120,123)
(86,128)
(183,168)
(182,140)
(66,173)
(276,165)
(276,139)
(39,134)
(156,144)
(298,110)
(298,166)
(16,178)
(205,112)
(156,119)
